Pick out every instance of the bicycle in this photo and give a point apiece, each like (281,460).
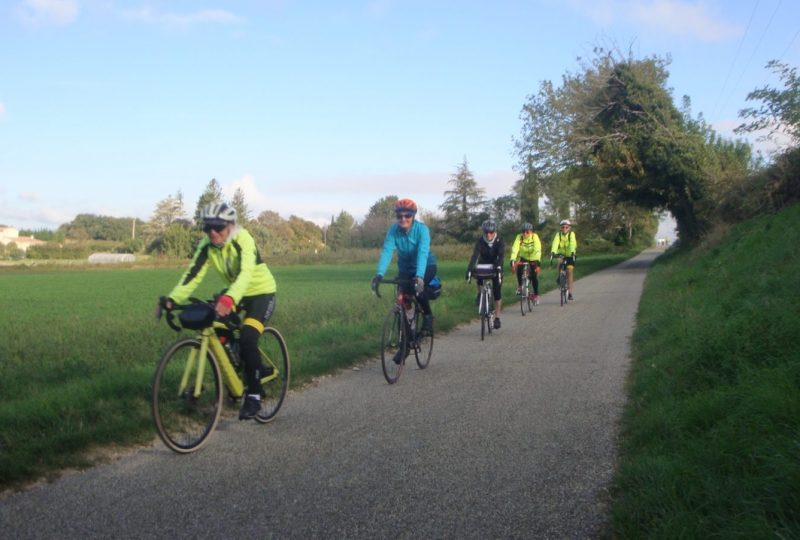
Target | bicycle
(561,280)
(187,395)
(486,272)
(526,298)
(402,332)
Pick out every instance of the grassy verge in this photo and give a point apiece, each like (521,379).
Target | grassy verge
(79,347)
(711,435)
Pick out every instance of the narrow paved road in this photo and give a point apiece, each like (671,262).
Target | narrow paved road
(512,437)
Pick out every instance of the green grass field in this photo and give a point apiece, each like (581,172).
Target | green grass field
(711,437)
(79,347)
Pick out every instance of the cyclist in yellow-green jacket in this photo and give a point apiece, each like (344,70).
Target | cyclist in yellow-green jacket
(232,252)
(565,247)
(527,248)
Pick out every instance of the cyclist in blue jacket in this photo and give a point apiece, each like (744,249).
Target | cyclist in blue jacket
(412,240)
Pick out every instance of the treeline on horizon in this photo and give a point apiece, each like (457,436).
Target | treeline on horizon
(608,148)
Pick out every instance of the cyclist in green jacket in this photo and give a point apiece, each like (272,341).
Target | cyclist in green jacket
(527,248)
(564,247)
(232,252)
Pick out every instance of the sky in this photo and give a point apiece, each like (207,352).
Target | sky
(316,107)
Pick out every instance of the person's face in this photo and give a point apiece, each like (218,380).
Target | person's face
(527,234)
(405,219)
(218,233)
(564,228)
(490,235)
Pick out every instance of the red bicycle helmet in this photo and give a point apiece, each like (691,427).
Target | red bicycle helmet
(405,205)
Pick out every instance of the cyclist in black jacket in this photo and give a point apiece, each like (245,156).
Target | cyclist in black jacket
(490,249)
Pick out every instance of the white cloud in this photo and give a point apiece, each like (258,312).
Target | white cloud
(678,17)
(48,12)
(182,20)
(29,196)
(684,19)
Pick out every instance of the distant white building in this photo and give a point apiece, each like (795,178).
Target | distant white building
(10,234)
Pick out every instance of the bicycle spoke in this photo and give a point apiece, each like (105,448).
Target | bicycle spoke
(424,343)
(274,354)
(186,396)
(393,345)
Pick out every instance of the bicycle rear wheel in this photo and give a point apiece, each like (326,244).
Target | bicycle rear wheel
(484,312)
(186,410)
(424,340)
(394,345)
(274,353)
(523,298)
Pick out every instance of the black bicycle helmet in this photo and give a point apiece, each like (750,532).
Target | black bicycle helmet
(489,226)
(527,227)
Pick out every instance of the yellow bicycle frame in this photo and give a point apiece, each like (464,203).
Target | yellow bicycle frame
(210,339)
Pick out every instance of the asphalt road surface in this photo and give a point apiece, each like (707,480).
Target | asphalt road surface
(512,437)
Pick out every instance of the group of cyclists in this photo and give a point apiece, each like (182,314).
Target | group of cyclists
(231,251)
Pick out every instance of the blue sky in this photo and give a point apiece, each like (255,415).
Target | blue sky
(313,107)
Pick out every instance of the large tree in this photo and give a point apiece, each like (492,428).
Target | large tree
(618,119)
(463,205)
(212,194)
(340,231)
(377,221)
(240,205)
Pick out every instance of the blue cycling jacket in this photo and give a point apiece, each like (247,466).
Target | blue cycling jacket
(413,249)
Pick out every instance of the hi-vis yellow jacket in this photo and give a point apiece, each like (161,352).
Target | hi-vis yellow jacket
(237,261)
(564,244)
(529,249)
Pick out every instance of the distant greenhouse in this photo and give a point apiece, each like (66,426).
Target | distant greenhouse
(111,258)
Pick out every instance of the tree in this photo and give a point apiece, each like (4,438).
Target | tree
(340,231)
(168,211)
(377,221)
(617,119)
(239,204)
(212,194)
(462,205)
(780,109)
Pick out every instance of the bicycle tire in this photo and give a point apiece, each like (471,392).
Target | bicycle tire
(483,311)
(274,353)
(523,297)
(424,341)
(393,342)
(491,314)
(562,285)
(184,421)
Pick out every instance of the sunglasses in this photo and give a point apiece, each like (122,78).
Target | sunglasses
(215,228)
(565,226)
(404,216)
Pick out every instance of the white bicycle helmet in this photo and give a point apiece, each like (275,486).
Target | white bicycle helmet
(565,222)
(218,214)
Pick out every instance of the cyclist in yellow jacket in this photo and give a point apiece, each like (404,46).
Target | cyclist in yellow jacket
(232,252)
(527,248)
(564,247)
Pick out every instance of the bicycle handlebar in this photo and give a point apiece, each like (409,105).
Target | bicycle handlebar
(395,281)
(232,321)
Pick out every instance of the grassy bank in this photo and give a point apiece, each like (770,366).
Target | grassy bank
(79,347)
(711,436)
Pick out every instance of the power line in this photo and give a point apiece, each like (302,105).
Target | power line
(735,58)
(752,55)
(789,46)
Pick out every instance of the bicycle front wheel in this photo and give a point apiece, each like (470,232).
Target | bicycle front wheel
(394,345)
(274,354)
(523,299)
(484,312)
(424,346)
(186,396)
